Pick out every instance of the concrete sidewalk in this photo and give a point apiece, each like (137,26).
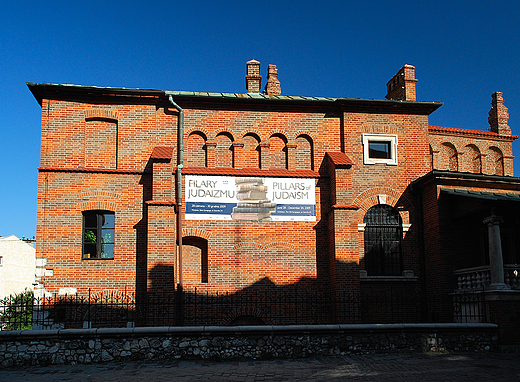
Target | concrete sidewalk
(385,367)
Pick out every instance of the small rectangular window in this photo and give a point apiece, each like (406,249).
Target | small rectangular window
(1,261)
(380,149)
(98,235)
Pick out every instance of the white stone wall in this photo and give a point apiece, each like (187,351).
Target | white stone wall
(72,346)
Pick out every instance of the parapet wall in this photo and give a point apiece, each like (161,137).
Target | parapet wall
(71,346)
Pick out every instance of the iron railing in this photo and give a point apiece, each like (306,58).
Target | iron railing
(274,307)
(469,306)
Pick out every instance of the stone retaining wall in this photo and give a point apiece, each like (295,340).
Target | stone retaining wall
(71,346)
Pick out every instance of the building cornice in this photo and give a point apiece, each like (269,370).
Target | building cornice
(273,173)
(437,130)
(91,170)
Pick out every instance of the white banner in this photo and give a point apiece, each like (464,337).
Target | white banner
(249,198)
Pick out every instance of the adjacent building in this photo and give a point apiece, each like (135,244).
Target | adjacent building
(17,266)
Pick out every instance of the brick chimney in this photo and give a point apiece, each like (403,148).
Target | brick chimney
(273,84)
(253,77)
(402,85)
(498,115)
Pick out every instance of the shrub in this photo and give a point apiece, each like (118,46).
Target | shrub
(16,311)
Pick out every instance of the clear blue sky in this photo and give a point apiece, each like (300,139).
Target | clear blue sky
(463,51)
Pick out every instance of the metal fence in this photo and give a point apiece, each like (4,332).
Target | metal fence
(469,306)
(16,312)
(273,307)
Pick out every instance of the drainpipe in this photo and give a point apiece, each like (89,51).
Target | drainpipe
(180,165)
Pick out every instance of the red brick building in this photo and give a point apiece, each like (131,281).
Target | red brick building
(263,190)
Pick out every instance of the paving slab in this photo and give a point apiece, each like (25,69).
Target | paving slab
(459,367)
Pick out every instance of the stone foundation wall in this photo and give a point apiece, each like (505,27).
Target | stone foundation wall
(71,346)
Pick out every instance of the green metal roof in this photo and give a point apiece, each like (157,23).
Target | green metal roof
(497,196)
(248,96)
(70,91)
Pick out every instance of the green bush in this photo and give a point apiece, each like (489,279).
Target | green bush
(16,311)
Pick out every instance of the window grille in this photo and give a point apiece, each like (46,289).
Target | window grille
(383,236)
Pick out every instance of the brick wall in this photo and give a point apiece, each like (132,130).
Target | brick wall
(77,175)
(117,152)
(61,199)
(471,151)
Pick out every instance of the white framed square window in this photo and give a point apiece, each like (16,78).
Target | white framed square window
(380,149)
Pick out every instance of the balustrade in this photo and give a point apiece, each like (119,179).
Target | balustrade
(480,277)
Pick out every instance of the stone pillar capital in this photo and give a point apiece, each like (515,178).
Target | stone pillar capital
(493,219)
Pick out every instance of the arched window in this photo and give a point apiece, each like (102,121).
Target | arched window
(496,159)
(224,152)
(383,236)
(449,157)
(305,153)
(101,143)
(278,151)
(195,252)
(474,163)
(251,150)
(197,154)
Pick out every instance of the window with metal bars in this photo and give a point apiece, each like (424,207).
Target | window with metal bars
(383,236)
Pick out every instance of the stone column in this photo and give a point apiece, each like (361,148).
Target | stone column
(496,262)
